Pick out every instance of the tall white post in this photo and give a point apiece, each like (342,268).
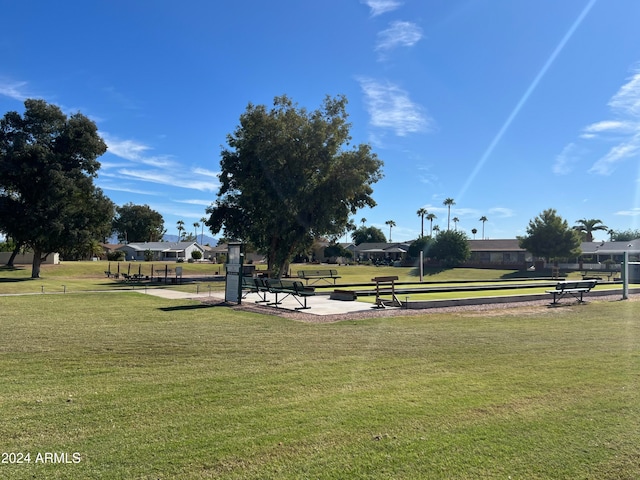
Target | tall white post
(421,265)
(625,276)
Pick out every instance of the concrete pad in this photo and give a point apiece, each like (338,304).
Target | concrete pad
(319,304)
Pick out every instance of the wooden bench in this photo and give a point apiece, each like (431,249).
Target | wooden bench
(575,289)
(317,275)
(287,288)
(596,275)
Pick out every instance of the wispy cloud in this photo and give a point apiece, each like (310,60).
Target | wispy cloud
(623,130)
(378,7)
(626,149)
(634,212)
(391,108)
(569,156)
(136,152)
(399,34)
(137,164)
(501,212)
(12,89)
(205,203)
(174,179)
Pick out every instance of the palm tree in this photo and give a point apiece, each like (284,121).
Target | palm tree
(196,226)
(436,229)
(474,231)
(455,221)
(391,224)
(202,220)
(363,221)
(421,213)
(349,227)
(180,224)
(483,219)
(448,202)
(431,217)
(587,227)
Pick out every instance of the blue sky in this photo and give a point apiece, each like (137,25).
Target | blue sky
(507,106)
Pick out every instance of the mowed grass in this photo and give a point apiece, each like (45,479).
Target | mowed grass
(148,388)
(89,276)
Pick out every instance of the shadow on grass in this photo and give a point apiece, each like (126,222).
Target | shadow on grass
(527,274)
(15,280)
(429,271)
(194,307)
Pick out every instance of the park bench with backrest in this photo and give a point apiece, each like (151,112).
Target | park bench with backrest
(255,285)
(576,289)
(293,288)
(317,275)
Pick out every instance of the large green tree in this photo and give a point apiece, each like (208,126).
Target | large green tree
(368,235)
(451,248)
(549,236)
(289,176)
(138,223)
(47,164)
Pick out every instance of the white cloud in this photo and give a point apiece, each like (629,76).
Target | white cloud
(623,130)
(205,203)
(136,152)
(627,149)
(15,90)
(611,126)
(172,178)
(378,7)
(501,212)
(391,108)
(634,212)
(205,172)
(399,34)
(567,159)
(627,99)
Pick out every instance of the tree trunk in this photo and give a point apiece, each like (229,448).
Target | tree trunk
(14,254)
(37,261)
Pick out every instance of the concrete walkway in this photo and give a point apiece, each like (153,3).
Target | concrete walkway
(319,304)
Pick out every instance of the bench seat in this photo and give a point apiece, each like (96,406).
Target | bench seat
(575,289)
(317,275)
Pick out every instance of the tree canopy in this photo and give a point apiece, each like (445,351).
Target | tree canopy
(138,223)
(288,176)
(451,248)
(549,236)
(368,235)
(47,163)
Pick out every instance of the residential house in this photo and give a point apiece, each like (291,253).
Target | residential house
(505,253)
(161,251)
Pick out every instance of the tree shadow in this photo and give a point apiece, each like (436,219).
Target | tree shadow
(527,274)
(428,271)
(194,307)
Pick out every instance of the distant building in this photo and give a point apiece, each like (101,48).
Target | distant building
(161,251)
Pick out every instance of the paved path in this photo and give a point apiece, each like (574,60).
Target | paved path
(319,304)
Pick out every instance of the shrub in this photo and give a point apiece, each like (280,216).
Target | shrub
(116,256)
(196,254)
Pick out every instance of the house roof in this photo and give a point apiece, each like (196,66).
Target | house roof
(497,245)
(160,246)
(611,248)
(382,247)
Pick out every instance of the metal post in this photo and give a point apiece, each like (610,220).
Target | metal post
(421,265)
(625,276)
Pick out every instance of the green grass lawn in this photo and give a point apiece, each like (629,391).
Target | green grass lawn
(143,387)
(90,276)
